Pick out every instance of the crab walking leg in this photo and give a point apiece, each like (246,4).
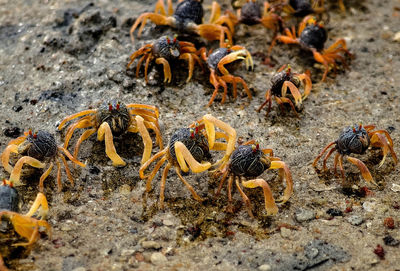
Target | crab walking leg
(288,101)
(160,8)
(156,129)
(59,184)
(189,58)
(158,19)
(234,80)
(40,202)
(389,138)
(105,131)
(151,108)
(214,32)
(223,84)
(314,164)
(44,176)
(29,228)
(144,113)
(74,116)
(188,186)
(248,58)
(288,177)
(146,67)
(142,51)
(18,140)
(341,166)
(162,185)
(151,160)
(83,123)
(167,69)
(320,58)
(71,180)
(5,157)
(245,198)
(267,101)
(363,169)
(326,158)
(307,84)
(16,172)
(148,144)
(270,205)
(379,140)
(221,183)
(185,159)
(83,137)
(229,59)
(209,122)
(154,172)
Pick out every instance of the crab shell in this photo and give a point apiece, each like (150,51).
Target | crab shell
(353,140)
(247,161)
(313,36)
(278,79)
(118,119)
(41,145)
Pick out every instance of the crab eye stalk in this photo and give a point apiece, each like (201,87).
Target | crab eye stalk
(191,133)
(35,135)
(118,104)
(174,40)
(254,148)
(288,69)
(360,126)
(168,41)
(196,128)
(4,182)
(110,107)
(30,132)
(354,129)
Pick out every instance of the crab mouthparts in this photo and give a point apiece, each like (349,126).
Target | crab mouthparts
(175,52)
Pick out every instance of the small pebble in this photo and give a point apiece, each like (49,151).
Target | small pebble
(127,252)
(158,258)
(303,215)
(150,245)
(285,232)
(395,187)
(369,206)
(355,220)
(168,222)
(124,189)
(264,267)
(390,241)
(396,37)
(334,212)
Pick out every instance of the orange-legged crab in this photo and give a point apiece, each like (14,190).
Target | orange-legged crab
(248,161)
(283,80)
(114,119)
(189,149)
(219,75)
(165,50)
(312,36)
(24,225)
(250,14)
(357,139)
(301,8)
(37,149)
(187,18)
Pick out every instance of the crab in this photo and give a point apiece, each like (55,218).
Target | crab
(24,225)
(250,14)
(187,18)
(283,80)
(357,139)
(37,150)
(189,149)
(165,50)
(114,119)
(301,8)
(246,163)
(312,37)
(219,75)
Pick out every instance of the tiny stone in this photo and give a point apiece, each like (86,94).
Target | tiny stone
(390,241)
(396,37)
(285,232)
(369,206)
(150,244)
(395,187)
(303,215)
(312,253)
(127,252)
(168,222)
(264,267)
(334,212)
(355,220)
(158,258)
(125,189)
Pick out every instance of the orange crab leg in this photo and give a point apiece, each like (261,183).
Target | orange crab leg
(267,101)
(270,205)
(167,69)
(147,164)
(270,21)
(146,67)
(327,156)
(189,58)
(215,12)
(234,79)
(341,166)
(59,184)
(370,134)
(314,164)
(158,19)
(335,163)
(18,140)
(288,101)
(162,185)
(214,32)
(369,127)
(40,202)
(288,177)
(16,172)
(142,51)
(225,87)
(70,157)
(150,125)
(221,183)
(154,172)
(145,114)
(148,144)
(74,116)
(379,140)
(104,132)
(233,56)
(139,64)
(145,106)
(307,84)
(44,176)
(160,8)
(214,82)
(5,157)
(69,176)
(364,170)
(83,137)
(188,186)
(287,40)
(2,265)
(83,123)
(246,199)
(320,58)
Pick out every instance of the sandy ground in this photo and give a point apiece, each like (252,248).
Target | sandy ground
(61,57)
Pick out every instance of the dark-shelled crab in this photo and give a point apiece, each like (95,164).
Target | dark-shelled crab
(357,139)
(114,119)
